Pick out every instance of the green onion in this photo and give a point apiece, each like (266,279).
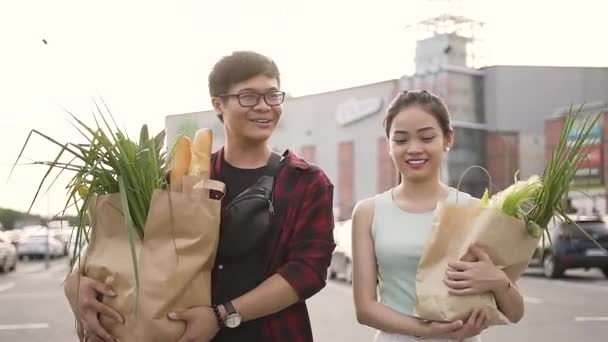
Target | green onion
(108,162)
(538,200)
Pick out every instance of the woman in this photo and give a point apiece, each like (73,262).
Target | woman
(390,231)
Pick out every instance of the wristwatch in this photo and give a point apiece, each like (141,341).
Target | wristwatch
(234,318)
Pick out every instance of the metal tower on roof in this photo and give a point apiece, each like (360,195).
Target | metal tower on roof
(447,37)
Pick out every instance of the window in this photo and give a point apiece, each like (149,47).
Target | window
(346,179)
(468,150)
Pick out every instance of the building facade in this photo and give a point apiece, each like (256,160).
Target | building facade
(589,187)
(498,115)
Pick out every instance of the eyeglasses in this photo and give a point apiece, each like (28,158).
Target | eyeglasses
(272,98)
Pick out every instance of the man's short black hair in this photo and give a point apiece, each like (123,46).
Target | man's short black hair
(238,67)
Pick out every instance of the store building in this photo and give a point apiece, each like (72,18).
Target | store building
(498,116)
(589,187)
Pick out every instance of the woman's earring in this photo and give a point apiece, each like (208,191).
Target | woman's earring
(447,149)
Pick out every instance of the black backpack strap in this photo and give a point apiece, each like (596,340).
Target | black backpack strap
(272,169)
(274,163)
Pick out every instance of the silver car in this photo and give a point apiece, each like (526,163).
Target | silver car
(8,254)
(36,244)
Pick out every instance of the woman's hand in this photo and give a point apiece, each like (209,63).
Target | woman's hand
(476,323)
(440,329)
(83,296)
(475,277)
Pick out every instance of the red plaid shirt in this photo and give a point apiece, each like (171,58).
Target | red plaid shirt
(303,203)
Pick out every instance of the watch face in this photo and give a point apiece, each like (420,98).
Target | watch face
(233,321)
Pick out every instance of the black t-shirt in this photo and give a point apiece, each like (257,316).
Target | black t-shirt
(240,276)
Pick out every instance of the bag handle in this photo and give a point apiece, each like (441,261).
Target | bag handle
(209,184)
(206,185)
(491,185)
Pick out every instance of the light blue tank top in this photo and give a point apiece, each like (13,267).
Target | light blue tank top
(399,238)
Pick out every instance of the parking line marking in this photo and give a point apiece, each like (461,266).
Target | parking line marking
(27,326)
(532,300)
(591,319)
(594,287)
(7,286)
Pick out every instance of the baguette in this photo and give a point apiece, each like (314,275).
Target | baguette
(201,153)
(181,161)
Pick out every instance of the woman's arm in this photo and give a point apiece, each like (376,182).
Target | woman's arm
(481,276)
(509,300)
(369,311)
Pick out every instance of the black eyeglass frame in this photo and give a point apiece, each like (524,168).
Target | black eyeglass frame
(257,101)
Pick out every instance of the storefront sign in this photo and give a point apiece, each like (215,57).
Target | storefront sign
(594,157)
(590,171)
(355,109)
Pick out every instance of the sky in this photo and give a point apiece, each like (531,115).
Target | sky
(148,59)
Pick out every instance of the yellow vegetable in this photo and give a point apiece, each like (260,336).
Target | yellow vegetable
(83,191)
(201,152)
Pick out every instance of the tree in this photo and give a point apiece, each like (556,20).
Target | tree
(10,219)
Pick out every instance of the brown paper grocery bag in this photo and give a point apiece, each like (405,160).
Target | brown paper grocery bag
(174,260)
(109,260)
(455,228)
(177,257)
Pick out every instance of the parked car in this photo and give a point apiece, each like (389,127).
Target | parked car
(63,230)
(13,235)
(8,254)
(19,232)
(63,234)
(82,247)
(34,244)
(341,261)
(569,247)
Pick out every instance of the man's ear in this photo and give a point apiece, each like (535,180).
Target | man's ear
(218,104)
(218,107)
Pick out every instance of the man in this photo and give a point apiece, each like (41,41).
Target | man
(267,303)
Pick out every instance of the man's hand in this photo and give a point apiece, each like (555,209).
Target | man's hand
(87,307)
(201,323)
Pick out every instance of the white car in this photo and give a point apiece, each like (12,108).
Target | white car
(19,232)
(341,261)
(8,254)
(63,230)
(63,234)
(37,243)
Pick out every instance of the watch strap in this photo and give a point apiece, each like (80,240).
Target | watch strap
(230,309)
(218,316)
